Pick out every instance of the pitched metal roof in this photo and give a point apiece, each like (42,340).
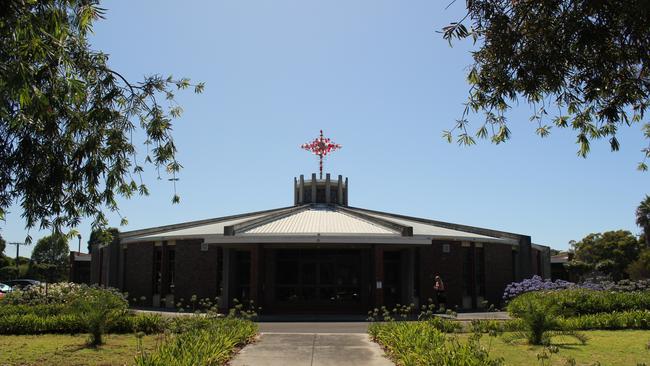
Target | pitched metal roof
(320,220)
(420,228)
(319,223)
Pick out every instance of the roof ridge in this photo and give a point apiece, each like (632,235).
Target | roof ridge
(403,230)
(447,225)
(242,227)
(190,224)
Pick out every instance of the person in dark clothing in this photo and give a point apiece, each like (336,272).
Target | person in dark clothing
(439,288)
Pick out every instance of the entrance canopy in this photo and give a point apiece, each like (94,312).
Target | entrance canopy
(319,223)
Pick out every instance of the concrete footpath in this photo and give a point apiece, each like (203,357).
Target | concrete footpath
(312,349)
(324,343)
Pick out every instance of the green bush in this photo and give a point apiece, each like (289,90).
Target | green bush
(539,316)
(574,302)
(609,321)
(41,309)
(206,341)
(53,293)
(145,323)
(419,344)
(97,310)
(35,324)
(32,323)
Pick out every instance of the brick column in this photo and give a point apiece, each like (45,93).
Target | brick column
(379,275)
(164,277)
(255,263)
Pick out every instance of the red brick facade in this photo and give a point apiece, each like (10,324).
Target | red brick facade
(198,272)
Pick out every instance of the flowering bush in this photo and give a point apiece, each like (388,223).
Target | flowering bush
(536,283)
(54,293)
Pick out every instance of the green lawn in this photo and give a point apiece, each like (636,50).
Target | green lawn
(612,348)
(66,350)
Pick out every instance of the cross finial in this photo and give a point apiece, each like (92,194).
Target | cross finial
(321,146)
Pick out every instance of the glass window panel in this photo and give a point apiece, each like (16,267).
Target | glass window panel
(326,274)
(287,272)
(308,273)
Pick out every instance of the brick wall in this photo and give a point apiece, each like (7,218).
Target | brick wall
(196,271)
(139,271)
(447,265)
(498,271)
(94,265)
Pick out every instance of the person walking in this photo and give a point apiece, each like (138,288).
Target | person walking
(439,288)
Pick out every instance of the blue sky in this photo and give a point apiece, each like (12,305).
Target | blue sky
(379,80)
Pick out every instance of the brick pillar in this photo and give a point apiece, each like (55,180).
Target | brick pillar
(379,275)
(164,271)
(225,290)
(255,264)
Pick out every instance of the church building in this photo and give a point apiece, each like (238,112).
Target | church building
(319,256)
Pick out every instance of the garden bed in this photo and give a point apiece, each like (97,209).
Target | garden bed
(612,348)
(422,344)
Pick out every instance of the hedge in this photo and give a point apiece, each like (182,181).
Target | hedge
(575,302)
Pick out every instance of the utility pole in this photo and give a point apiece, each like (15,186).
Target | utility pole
(79,248)
(17,244)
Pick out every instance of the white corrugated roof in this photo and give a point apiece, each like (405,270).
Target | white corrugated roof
(318,220)
(320,223)
(420,228)
(207,229)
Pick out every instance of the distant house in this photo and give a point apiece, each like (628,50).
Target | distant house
(319,255)
(559,270)
(80,267)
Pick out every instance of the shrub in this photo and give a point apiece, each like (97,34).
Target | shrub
(65,322)
(54,293)
(145,323)
(34,324)
(40,310)
(97,310)
(419,344)
(540,320)
(609,321)
(536,283)
(209,341)
(580,301)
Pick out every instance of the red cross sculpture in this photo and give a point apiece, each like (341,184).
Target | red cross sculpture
(321,146)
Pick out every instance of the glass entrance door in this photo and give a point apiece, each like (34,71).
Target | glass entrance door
(318,279)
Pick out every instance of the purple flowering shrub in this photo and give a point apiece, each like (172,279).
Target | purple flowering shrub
(536,283)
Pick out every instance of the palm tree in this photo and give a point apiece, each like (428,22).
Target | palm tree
(540,320)
(643,218)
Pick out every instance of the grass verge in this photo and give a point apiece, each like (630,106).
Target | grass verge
(613,348)
(422,343)
(65,350)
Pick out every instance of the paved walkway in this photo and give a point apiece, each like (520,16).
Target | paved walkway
(313,327)
(315,349)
